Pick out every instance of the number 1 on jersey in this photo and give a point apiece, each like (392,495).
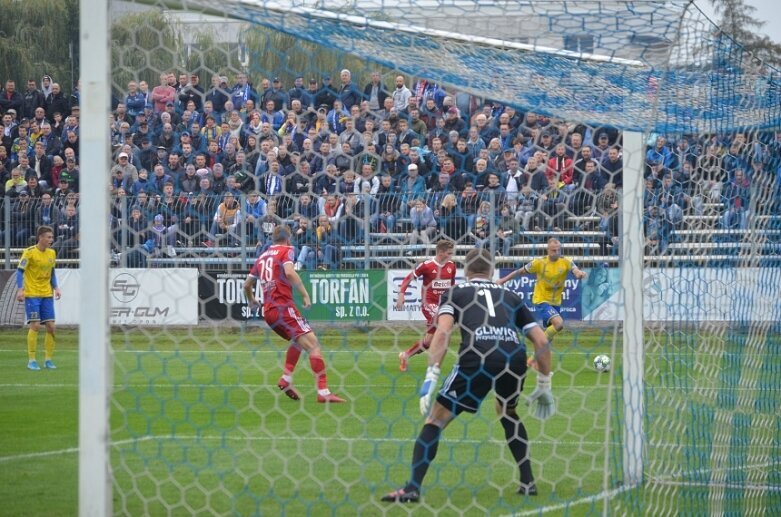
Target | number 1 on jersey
(489,301)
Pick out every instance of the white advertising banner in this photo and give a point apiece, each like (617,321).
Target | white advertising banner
(146,297)
(412,300)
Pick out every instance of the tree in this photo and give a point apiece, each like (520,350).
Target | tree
(39,38)
(142,46)
(738,22)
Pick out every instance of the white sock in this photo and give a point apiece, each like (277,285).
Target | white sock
(323,393)
(287,378)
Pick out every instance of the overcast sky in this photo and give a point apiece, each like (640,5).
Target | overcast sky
(767,10)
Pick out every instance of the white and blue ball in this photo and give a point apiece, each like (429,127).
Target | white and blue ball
(602,363)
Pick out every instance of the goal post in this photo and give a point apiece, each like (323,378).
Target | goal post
(95,360)
(180,407)
(632,253)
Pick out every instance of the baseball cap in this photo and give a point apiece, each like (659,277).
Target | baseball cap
(10,112)
(161,148)
(23,192)
(412,167)
(324,106)
(453,110)
(603,135)
(313,81)
(65,177)
(149,106)
(159,218)
(276,80)
(169,104)
(123,155)
(326,78)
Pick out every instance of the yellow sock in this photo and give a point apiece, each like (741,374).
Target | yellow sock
(32,344)
(550,332)
(48,344)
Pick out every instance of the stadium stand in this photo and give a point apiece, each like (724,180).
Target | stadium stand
(376,185)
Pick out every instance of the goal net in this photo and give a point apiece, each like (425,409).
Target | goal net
(635,133)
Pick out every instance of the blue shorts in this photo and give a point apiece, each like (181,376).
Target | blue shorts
(39,309)
(546,312)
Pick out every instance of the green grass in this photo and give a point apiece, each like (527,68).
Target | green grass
(198,426)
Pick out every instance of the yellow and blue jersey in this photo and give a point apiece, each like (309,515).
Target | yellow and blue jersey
(550,279)
(38,267)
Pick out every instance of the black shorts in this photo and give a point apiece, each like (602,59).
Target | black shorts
(469,382)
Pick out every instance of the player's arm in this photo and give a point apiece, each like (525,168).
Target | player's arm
(298,285)
(249,290)
(441,339)
(20,285)
(20,276)
(577,272)
(542,349)
(403,289)
(513,274)
(542,396)
(55,286)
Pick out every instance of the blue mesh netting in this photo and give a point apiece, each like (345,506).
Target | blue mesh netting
(671,70)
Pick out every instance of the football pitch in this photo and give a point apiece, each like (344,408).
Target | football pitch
(199,427)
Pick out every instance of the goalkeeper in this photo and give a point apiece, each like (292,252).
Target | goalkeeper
(491,356)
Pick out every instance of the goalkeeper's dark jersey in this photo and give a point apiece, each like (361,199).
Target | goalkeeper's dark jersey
(490,317)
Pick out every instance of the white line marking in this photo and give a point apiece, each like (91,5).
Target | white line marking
(734,486)
(607,494)
(69,450)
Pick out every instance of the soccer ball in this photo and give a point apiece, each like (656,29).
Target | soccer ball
(602,363)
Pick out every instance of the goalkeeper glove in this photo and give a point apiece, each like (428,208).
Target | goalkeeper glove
(427,390)
(543,395)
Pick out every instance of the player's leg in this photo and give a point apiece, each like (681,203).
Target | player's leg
(423,454)
(554,325)
(32,308)
(47,318)
(430,313)
(311,344)
(463,389)
(508,388)
(286,329)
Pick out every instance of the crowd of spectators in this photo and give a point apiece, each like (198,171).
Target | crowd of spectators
(224,164)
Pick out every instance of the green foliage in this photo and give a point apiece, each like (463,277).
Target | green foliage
(35,40)
(142,46)
(208,57)
(273,53)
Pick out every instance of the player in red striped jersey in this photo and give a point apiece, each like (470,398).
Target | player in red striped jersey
(275,270)
(438,275)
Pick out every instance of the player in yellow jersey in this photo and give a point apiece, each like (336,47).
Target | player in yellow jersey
(37,288)
(551,272)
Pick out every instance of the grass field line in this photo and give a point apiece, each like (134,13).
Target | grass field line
(375,385)
(326,351)
(726,486)
(605,494)
(215,438)
(674,478)
(245,438)
(68,450)
(272,387)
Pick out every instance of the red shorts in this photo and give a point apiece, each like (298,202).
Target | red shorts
(287,322)
(429,311)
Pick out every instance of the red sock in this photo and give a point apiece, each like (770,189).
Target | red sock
(417,348)
(318,367)
(291,358)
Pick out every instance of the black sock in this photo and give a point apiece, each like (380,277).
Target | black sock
(518,440)
(424,453)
